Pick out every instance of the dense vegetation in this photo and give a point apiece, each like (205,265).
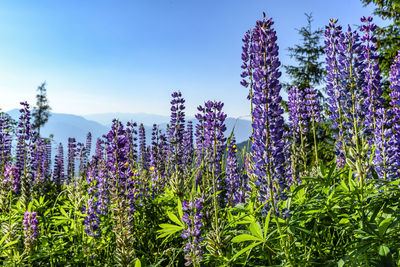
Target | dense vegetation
(187,199)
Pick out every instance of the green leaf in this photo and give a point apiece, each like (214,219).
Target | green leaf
(167,230)
(331,170)
(383,250)
(266,225)
(10,244)
(255,229)
(245,237)
(180,211)
(166,226)
(4,238)
(138,263)
(174,218)
(64,212)
(383,226)
(245,250)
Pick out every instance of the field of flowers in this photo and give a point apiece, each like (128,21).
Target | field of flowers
(192,198)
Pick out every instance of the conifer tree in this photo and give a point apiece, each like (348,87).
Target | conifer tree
(309,70)
(41,112)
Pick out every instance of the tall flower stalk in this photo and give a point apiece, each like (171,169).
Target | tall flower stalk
(333,42)
(58,173)
(25,146)
(393,153)
(313,109)
(268,124)
(299,118)
(176,151)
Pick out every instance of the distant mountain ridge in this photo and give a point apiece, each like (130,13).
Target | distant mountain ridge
(242,126)
(63,126)
(145,118)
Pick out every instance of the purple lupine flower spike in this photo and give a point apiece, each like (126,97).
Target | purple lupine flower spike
(372,86)
(88,147)
(383,137)
(236,185)
(394,142)
(188,145)
(58,174)
(71,159)
(298,113)
(210,142)
(333,42)
(30,229)
(268,124)
(142,144)
(5,141)
(312,104)
(176,132)
(192,218)
(12,178)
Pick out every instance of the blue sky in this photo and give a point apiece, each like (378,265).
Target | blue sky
(129,56)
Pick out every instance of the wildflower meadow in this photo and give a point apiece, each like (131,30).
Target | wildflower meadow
(194,197)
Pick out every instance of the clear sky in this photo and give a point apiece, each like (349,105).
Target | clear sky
(129,56)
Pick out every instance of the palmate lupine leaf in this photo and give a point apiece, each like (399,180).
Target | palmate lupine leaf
(259,236)
(167,230)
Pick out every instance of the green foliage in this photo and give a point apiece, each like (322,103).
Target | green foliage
(41,112)
(335,222)
(388,36)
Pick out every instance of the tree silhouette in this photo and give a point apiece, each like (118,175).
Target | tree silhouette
(309,70)
(41,112)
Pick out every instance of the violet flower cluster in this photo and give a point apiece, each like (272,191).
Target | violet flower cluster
(176,133)
(81,155)
(98,191)
(88,147)
(58,173)
(131,133)
(143,148)
(390,144)
(236,183)
(345,76)
(312,104)
(30,229)
(5,140)
(333,34)
(188,146)
(39,164)
(210,151)
(26,137)
(356,114)
(72,153)
(12,178)
(268,124)
(299,126)
(298,113)
(247,66)
(157,159)
(192,233)
(372,85)
(117,164)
